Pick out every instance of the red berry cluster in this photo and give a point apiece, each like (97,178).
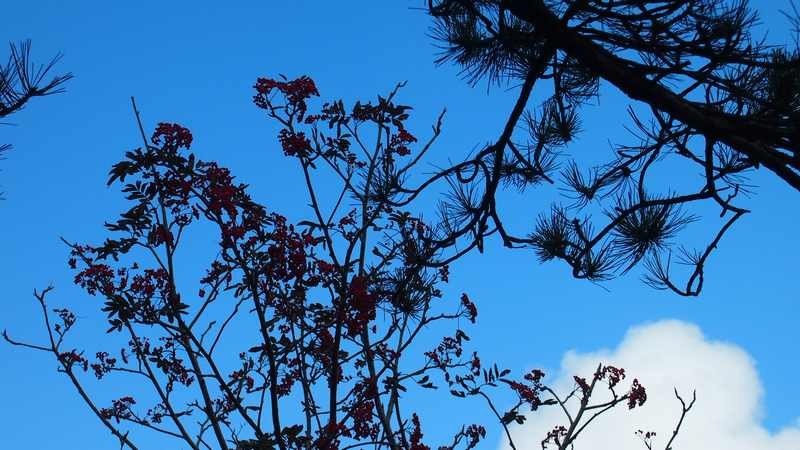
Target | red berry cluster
(361,305)
(400,140)
(296,92)
(104,364)
(416,434)
(529,391)
(469,307)
(613,374)
(171,136)
(120,409)
(71,358)
(637,396)
(555,436)
(294,144)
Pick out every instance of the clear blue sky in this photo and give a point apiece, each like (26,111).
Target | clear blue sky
(195,62)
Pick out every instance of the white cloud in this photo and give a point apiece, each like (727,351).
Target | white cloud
(663,355)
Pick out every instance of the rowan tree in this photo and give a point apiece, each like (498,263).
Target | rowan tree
(707,97)
(332,308)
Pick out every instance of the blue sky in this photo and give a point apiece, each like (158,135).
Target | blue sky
(195,63)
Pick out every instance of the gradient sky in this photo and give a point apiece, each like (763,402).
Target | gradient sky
(195,63)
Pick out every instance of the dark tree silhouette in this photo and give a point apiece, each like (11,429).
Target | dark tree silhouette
(328,312)
(21,80)
(706,95)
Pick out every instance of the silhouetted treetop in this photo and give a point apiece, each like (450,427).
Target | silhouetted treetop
(721,102)
(21,80)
